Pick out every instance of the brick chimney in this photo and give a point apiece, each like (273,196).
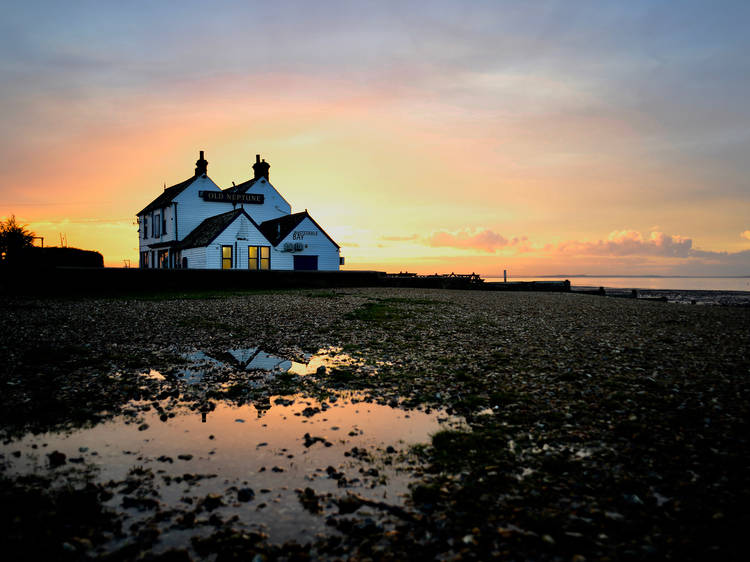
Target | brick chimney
(201,165)
(260,168)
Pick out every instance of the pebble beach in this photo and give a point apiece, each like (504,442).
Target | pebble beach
(556,426)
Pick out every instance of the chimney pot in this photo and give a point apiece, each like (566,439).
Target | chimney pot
(260,169)
(201,165)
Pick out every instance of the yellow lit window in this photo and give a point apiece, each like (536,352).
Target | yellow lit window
(259,257)
(226,257)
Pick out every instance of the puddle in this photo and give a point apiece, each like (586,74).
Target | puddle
(266,365)
(238,461)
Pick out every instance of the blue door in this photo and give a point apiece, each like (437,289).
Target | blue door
(305,263)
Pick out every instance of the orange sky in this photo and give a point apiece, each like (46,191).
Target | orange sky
(461,146)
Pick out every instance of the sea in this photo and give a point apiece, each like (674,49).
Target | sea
(656,282)
(726,291)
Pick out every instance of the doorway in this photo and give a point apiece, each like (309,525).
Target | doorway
(305,263)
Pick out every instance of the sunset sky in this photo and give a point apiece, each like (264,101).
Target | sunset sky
(538,137)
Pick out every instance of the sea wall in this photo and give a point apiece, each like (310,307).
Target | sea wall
(40,281)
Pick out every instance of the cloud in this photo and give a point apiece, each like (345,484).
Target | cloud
(632,242)
(399,238)
(484,240)
(745,235)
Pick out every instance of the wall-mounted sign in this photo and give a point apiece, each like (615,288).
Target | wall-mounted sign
(300,234)
(229,197)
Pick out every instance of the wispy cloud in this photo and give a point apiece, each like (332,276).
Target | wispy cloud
(399,238)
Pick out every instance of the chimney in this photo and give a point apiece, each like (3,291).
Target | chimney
(201,165)
(260,168)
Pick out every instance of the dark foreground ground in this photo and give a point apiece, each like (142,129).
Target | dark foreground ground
(598,428)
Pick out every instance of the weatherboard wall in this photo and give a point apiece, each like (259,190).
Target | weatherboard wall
(240,234)
(193,210)
(317,244)
(274,205)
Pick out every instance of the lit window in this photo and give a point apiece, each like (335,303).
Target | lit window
(259,257)
(226,257)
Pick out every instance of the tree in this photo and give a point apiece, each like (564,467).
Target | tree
(14,238)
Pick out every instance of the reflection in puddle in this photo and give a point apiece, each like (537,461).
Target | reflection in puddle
(253,359)
(234,462)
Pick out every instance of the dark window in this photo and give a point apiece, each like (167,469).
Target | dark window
(226,257)
(145,227)
(184,263)
(157,225)
(164,224)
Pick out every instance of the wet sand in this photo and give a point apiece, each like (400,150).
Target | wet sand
(599,427)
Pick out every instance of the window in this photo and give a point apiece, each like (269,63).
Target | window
(163,257)
(145,227)
(226,257)
(259,257)
(164,224)
(157,225)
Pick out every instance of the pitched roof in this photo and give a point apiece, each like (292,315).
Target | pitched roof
(242,187)
(209,229)
(165,198)
(278,229)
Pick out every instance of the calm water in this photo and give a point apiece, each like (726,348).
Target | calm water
(659,283)
(251,460)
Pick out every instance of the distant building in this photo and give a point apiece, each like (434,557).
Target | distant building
(196,224)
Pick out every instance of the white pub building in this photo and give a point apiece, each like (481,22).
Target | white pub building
(196,224)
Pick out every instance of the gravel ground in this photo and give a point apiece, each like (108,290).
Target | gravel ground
(599,428)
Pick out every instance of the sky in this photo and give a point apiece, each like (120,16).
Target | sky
(541,137)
